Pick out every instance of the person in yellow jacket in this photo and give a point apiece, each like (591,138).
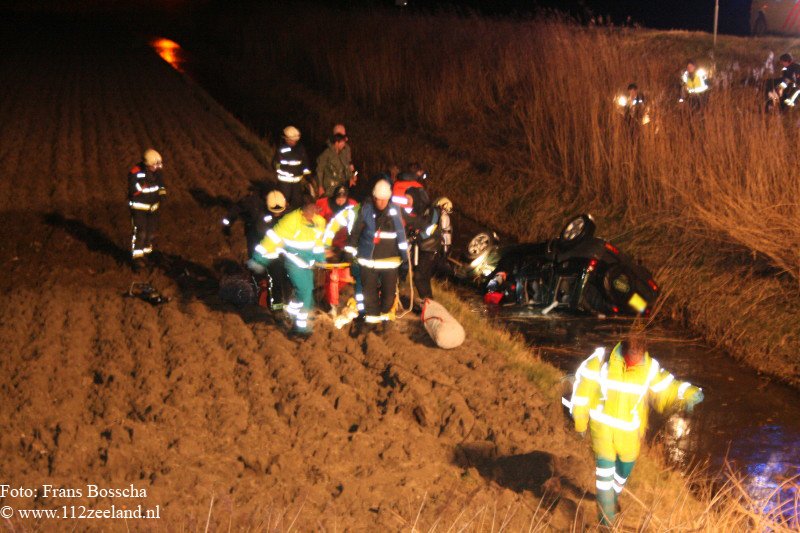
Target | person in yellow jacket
(694,85)
(298,237)
(612,396)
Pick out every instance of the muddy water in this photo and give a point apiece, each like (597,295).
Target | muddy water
(746,419)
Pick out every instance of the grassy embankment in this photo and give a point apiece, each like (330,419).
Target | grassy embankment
(517,122)
(727,508)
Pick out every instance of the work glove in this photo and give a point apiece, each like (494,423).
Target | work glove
(255,266)
(693,400)
(162,191)
(226,227)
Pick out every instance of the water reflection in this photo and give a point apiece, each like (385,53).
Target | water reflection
(170,51)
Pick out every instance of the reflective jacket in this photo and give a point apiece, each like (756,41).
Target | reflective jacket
(291,163)
(340,221)
(145,188)
(609,393)
(399,191)
(694,84)
(378,239)
(296,238)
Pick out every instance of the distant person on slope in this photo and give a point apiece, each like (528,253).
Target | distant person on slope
(694,85)
(145,194)
(612,396)
(788,83)
(292,165)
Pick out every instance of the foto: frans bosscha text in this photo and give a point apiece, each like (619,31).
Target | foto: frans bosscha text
(86,491)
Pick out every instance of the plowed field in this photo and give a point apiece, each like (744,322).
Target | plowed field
(207,407)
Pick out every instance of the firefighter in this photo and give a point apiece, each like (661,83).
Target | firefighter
(291,164)
(145,194)
(425,241)
(445,207)
(788,83)
(611,396)
(694,85)
(259,213)
(347,155)
(298,237)
(411,178)
(378,243)
(339,211)
(332,168)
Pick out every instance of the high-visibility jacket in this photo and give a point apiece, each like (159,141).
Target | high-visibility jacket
(614,400)
(399,191)
(296,238)
(340,220)
(291,163)
(694,84)
(378,239)
(145,188)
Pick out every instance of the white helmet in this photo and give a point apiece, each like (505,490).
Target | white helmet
(151,158)
(276,202)
(291,133)
(445,204)
(382,190)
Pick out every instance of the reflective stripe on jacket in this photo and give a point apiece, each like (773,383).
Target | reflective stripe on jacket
(611,394)
(295,237)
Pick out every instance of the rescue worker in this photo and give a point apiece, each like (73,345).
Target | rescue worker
(292,165)
(411,178)
(634,107)
(378,244)
(446,228)
(258,212)
(347,155)
(788,84)
(298,237)
(611,396)
(145,194)
(339,212)
(694,85)
(425,241)
(332,169)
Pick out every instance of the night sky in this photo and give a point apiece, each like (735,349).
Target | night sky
(662,14)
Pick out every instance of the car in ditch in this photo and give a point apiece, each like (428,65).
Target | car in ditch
(575,271)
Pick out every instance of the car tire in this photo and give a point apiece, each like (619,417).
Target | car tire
(576,231)
(760,26)
(480,243)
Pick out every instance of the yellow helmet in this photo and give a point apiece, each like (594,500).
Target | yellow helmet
(445,204)
(151,158)
(276,202)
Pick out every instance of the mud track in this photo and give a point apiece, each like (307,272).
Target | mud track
(201,404)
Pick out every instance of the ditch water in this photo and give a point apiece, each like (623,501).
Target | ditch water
(748,420)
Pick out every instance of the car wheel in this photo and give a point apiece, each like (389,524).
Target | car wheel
(480,243)
(576,231)
(760,26)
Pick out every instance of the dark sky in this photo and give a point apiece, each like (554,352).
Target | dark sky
(663,14)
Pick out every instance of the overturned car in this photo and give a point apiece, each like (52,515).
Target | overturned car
(576,271)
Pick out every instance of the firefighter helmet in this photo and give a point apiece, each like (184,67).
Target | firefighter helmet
(291,133)
(276,202)
(382,190)
(151,158)
(445,204)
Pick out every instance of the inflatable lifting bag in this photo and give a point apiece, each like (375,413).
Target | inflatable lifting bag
(445,330)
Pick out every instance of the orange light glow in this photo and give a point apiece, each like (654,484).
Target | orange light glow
(170,51)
